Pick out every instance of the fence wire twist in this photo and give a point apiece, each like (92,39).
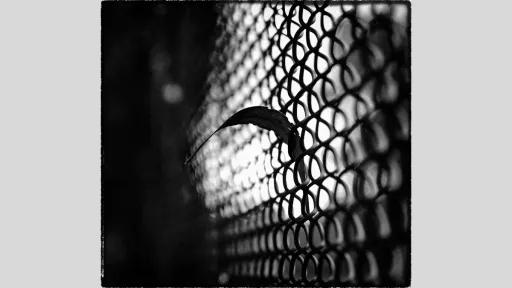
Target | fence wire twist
(340,73)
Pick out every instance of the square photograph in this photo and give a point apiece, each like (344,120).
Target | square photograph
(256,143)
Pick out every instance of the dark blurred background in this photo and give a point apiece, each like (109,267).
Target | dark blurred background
(154,63)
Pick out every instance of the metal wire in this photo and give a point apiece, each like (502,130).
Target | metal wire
(341,74)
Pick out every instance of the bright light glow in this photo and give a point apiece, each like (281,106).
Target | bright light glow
(323,199)
(172,93)
(323,131)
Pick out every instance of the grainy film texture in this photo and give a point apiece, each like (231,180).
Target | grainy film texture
(341,74)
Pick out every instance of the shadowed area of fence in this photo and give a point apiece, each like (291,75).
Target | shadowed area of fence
(154,61)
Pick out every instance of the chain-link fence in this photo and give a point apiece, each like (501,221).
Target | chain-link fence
(340,72)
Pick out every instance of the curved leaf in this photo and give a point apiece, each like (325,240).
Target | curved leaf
(268,119)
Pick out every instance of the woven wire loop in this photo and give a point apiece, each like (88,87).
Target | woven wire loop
(341,74)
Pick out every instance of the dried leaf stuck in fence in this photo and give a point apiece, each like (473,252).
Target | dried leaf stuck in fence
(268,119)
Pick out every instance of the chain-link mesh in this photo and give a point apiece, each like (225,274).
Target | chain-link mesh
(340,73)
